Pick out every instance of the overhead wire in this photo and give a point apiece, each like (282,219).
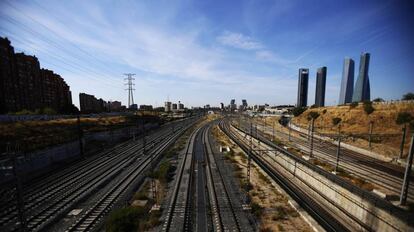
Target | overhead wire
(52,43)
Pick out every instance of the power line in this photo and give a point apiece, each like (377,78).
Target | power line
(54,44)
(56,34)
(130,87)
(76,67)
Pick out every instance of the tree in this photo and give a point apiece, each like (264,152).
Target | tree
(353,105)
(125,219)
(378,99)
(368,108)
(408,96)
(404,118)
(298,111)
(336,121)
(48,111)
(313,115)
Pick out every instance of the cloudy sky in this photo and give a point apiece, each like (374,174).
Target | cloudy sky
(207,52)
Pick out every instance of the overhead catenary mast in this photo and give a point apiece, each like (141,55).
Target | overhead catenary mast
(130,88)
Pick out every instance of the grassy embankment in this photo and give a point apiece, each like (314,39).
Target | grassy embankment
(355,124)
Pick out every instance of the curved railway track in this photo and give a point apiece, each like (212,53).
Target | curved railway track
(49,199)
(93,216)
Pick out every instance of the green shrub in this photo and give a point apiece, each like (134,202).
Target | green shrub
(257,210)
(408,96)
(336,121)
(298,111)
(353,105)
(403,118)
(125,219)
(368,108)
(378,99)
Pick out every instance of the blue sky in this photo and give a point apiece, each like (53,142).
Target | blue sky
(207,52)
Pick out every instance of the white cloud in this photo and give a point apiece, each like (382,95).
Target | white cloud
(238,40)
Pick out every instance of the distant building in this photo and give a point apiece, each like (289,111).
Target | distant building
(362,90)
(347,83)
(221,106)
(90,104)
(233,105)
(320,87)
(244,104)
(303,81)
(133,107)
(24,85)
(145,107)
(167,106)
(180,106)
(174,107)
(114,106)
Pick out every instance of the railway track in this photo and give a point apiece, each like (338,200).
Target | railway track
(367,168)
(179,208)
(225,217)
(200,179)
(324,217)
(48,200)
(94,215)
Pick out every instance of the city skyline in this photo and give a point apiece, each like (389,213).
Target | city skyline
(192,60)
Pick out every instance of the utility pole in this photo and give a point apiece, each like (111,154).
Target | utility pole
(404,130)
(19,189)
(311,139)
(338,151)
(80,137)
(130,88)
(370,133)
(273,131)
(290,128)
(406,183)
(249,161)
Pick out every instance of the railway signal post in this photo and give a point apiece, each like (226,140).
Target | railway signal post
(406,182)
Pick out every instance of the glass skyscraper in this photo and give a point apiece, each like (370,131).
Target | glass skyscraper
(320,87)
(362,91)
(347,83)
(303,87)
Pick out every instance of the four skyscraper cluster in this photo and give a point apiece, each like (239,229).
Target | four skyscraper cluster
(348,94)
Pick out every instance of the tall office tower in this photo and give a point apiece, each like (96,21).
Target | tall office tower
(244,103)
(362,91)
(233,105)
(303,87)
(320,87)
(347,83)
(167,107)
